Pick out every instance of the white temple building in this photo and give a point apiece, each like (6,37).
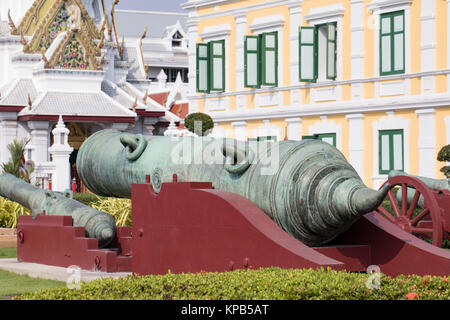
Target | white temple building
(75,67)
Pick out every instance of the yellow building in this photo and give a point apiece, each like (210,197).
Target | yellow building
(369,76)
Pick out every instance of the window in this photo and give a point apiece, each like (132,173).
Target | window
(211,66)
(325,137)
(391,150)
(317,52)
(392,43)
(177,39)
(172,74)
(261,60)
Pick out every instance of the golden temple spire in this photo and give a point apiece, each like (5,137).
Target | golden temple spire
(11,22)
(142,51)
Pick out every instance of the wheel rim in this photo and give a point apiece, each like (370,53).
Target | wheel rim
(427,222)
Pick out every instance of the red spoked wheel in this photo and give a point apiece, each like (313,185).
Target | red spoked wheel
(423,222)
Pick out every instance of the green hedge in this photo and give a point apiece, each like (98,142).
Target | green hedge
(263,284)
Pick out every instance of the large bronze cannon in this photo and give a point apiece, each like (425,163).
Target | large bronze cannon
(308,188)
(97,224)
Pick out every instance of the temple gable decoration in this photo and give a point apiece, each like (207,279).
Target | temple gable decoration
(46,19)
(75,51)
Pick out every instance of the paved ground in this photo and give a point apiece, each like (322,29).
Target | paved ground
(41,271)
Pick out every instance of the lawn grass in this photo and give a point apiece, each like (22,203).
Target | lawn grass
(6,253)
(12,284)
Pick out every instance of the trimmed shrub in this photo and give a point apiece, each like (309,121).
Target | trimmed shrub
(206,121)
(444,156)
(262,284)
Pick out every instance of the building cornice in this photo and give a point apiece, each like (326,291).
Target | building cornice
(335,108)
(325,12)
(388,4)
(195,4)
(323,84)
(237,11)
(222,30)
(265,23)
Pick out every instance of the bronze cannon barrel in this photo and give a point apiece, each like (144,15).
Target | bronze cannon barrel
(307,187)
(97,224)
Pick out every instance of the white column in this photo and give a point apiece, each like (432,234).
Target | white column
(428,43)
(427,143)
(60,151)
(357,46)
(240,130)
(8,132)
(448,43)
(241,32)
(356,141)
(295,16)
(39,140)
(294,128)
(192,26)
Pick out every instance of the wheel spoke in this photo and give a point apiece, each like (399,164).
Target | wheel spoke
(423,231)
(413,204)
(385,214)
(404,199)
(394,204)
(420,216)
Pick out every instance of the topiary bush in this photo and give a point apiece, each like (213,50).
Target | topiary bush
(444,156)
(206,121)
(262,284)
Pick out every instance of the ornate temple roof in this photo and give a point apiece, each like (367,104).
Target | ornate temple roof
(78,105)
(18,93)
(60,69)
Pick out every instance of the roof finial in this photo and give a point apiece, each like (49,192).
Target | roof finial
(144,99)
(30,103)
(115,27)
(11,22)
(135,104)
(146,68)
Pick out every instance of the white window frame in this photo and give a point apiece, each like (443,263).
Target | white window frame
(216,33)
(328,14)
(379,7)
(326,126)
(391,122)
(268,24)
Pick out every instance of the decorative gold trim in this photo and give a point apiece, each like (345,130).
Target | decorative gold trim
(31,14)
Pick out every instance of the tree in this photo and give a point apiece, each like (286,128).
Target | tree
(16,165)
(444,156)
(199,123)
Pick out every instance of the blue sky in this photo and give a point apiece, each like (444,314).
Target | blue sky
(152,5)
